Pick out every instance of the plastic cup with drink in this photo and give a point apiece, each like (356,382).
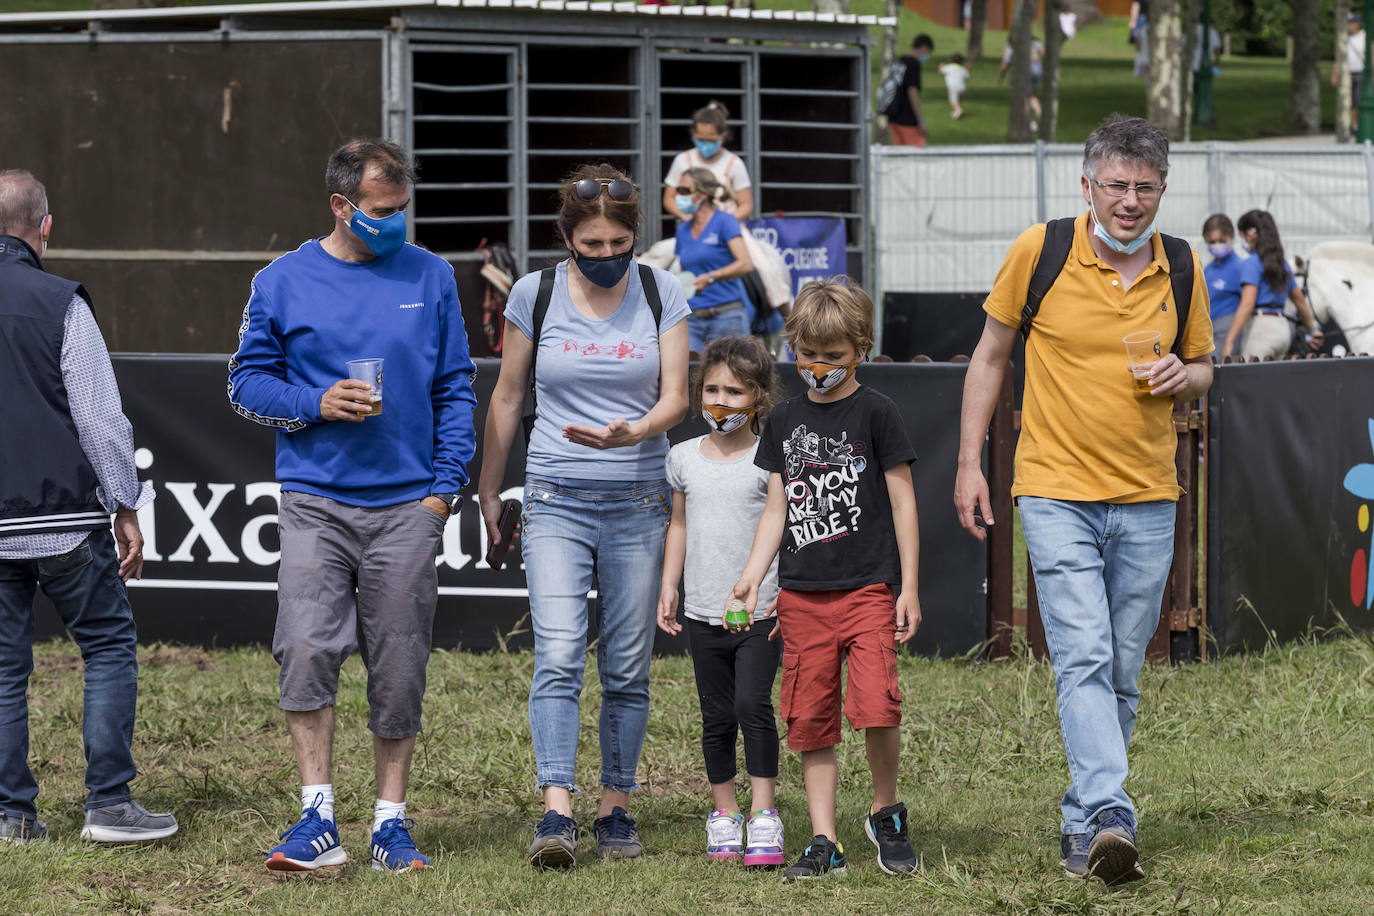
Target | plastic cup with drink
(1142,352)
(369,371)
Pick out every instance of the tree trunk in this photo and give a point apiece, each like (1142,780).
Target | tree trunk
(1192,15)
(1163,95)
(1049,81)
(830,6)
(1304,100)
(977,22)
(1343,94)
(1018,120)
(889,49)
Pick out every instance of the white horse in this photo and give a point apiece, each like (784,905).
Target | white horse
(1340,286)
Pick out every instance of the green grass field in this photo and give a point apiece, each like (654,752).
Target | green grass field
(1252,775)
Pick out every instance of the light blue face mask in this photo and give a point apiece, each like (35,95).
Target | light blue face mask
(383,237)
(1119,247)
(707,148)
(685,204)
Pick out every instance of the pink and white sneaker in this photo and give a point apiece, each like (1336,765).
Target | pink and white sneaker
(764,847)
(724,836)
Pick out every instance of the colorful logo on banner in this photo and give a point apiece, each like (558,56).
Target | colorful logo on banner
(1359,480)
(813,249)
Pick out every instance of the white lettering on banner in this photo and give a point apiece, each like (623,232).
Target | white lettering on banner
(252,532)
(201,526)
(798,259)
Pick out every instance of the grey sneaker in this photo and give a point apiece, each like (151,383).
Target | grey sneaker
(126,822)
(555,842)
(617,837)
(1073,854)
(1113,856)
(15,829)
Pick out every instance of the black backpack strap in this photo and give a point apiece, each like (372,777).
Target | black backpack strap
(646,280)
(541,308)
(1053,253)
(1180,256)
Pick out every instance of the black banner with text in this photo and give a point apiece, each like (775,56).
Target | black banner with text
(212,545)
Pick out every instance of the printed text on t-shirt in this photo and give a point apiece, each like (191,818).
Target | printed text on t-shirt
(822,486)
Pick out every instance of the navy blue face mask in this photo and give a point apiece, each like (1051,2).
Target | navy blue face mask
(604,272)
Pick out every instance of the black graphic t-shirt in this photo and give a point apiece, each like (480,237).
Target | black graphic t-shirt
(838,533)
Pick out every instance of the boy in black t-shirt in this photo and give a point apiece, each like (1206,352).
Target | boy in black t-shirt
(843,510)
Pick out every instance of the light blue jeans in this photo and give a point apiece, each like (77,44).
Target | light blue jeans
(1100,570)
(702,330)
(574,532)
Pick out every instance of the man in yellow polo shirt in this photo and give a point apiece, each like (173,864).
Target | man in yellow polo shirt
(1095,479)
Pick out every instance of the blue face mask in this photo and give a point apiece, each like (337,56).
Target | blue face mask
(707,148)
(686,205)
(1130,247)
(604,272)
(922,58)
(383,237)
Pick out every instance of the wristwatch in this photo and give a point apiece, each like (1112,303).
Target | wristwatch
(710,278)
(454,501)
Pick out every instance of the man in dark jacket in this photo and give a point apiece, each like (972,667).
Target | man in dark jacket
(69,464)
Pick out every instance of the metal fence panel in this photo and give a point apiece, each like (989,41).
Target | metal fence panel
(945,216)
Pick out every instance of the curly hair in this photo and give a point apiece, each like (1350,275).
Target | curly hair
(748,360)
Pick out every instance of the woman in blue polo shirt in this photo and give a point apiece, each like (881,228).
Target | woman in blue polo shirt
(709,245)
(1223,274)
(1266,283)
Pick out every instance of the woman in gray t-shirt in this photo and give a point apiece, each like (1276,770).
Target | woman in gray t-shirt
(609,383)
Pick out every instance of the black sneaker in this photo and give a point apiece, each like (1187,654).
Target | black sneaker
(887,830)
(821,857)
(16,829)
(617,837)
(1113,856)
(1073,854)
(555,842)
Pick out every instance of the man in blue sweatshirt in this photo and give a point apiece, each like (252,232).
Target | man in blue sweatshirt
(365,496)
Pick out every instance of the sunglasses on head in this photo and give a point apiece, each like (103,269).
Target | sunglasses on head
(590,188)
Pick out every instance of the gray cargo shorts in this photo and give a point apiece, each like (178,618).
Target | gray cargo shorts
(356,579)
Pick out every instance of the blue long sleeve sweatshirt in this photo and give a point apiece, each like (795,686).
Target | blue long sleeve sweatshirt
(307,315)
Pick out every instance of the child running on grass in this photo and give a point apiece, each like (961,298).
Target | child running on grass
(842,507)
(956,81)
(718,496)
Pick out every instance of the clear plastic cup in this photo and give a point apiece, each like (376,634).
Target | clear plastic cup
(1142,352)
(370,371)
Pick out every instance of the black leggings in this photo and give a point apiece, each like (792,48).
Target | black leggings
(735,674)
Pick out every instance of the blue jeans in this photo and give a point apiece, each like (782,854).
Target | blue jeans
(1100,570)
(574,532)
(701,331)
(88,593)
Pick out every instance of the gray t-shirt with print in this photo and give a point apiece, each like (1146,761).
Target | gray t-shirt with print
(592,371)
(724,502)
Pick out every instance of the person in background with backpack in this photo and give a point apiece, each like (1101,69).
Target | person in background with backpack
(607,348)
(899,97)
(710,130)
(1094,478)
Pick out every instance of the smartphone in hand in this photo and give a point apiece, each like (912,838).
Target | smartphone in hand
(510,519)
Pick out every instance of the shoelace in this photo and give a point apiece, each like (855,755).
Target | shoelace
(892,827)
(724,829)
(394,834)
(308,817)
(619,826)
(1115,817)
(818,856)
(553,823)
(764,830)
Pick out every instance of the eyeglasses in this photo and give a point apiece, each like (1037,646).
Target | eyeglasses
(684,190)
(590,188)
(1120,189)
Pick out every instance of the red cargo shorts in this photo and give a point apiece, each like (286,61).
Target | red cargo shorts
(819,631)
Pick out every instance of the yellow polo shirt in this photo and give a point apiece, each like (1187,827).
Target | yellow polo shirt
(1086,434)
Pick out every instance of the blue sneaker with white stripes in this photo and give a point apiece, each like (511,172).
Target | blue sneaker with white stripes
(311,843)
(393,849)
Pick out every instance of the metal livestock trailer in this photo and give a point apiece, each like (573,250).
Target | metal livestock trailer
(184,148)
